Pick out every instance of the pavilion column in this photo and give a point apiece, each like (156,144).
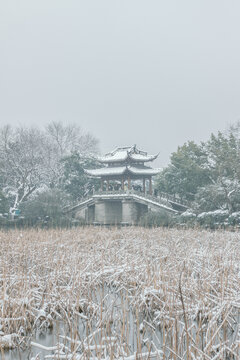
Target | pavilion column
(129,183)
(150,186)
(101,184)
(107,184)
(144,186)
(122,183)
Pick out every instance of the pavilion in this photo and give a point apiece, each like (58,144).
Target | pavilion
(124,166)
(126,190)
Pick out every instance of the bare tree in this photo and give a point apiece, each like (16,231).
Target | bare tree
(22,158)
(234,129)
(63,140)
(31,158)
(70,138)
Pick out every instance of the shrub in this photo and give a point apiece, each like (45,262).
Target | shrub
(156,219)
(213,219)
(45,210)
(234,219)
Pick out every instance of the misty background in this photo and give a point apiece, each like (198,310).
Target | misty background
(151,73)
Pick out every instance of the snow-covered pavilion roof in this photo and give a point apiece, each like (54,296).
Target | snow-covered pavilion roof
(122,154)
(121,170)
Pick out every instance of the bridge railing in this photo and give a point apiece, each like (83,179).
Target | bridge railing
(174,199)
(161,198)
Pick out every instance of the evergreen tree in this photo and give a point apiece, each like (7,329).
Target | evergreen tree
(74,181)
(187,171)
(3,204)
(45,207)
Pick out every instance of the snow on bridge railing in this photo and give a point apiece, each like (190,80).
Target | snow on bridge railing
(139,194)
(162,198)
(158,198)
(174,199)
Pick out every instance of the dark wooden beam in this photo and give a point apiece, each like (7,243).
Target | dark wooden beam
(122,183)
(129,183)
(150,185)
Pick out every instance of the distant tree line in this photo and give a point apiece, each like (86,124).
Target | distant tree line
(41,170)
(207,175)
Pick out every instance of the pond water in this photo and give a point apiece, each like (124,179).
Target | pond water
(113,316)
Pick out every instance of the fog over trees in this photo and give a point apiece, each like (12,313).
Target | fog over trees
(42,171)
(208,175)
(33,160)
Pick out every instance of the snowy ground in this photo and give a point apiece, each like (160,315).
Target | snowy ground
(119,293)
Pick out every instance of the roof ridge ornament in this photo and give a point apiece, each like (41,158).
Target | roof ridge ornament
(122,154)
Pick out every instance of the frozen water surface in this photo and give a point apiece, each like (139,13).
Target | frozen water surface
(114,293)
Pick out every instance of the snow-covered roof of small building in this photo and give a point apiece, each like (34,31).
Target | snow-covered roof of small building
(115,171)
(123,154)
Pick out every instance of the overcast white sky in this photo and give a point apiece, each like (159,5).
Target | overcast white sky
(152,73)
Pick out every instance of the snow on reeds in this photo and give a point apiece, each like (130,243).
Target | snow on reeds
(122,293)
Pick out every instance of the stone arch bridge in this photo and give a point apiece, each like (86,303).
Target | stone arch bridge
(126,208)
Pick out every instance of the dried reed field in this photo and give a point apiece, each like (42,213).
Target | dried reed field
(129,293)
